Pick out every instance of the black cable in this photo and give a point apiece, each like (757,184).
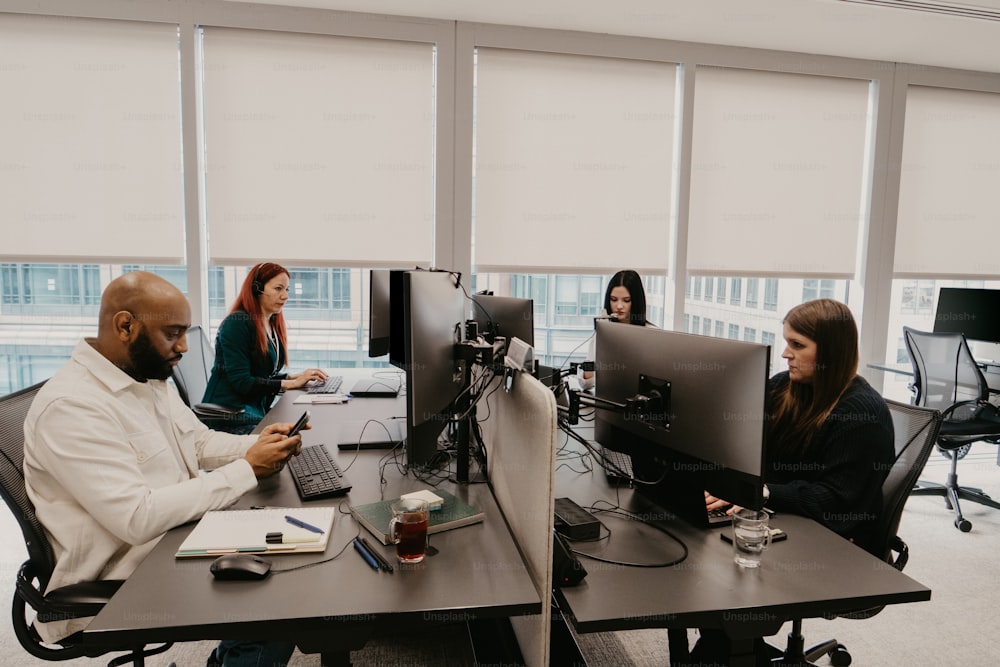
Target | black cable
(617,510)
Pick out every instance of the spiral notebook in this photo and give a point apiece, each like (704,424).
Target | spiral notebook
(259,531)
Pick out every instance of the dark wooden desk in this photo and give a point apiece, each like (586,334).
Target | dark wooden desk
(476,573)
(813,573)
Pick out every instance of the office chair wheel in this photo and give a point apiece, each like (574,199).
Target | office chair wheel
(963,525)
(840,657)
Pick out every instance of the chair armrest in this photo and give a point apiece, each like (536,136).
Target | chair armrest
(947,412)
(216,410)
(79,600)
(902,551)
(73,601)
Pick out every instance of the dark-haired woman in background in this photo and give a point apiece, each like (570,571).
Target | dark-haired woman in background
(251,349)
(624,301)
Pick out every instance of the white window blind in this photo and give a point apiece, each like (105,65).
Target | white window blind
(90,165)
(949,188)
(319,149)
(573,165)
(778,173)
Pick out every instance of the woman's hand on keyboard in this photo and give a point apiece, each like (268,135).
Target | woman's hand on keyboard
(299,380)
(713,503)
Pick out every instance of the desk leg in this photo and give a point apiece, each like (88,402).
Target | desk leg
(563,649)
(742,653)
(493,642)
(335,659)
(677,643)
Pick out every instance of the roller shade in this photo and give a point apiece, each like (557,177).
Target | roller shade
(319,149)
(90,127)
(949,199)
(574,162)
(778,173)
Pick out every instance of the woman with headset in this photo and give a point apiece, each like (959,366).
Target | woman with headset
(251,349)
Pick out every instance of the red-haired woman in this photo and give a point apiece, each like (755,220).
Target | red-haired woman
(251,350)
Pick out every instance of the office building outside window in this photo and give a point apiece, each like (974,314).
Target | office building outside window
(735,291)
(755,319)
(818,289)
(770,294)
(753,285)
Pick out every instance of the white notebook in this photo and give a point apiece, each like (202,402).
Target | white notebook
(246,531)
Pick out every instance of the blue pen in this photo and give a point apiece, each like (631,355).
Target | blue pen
(364,554)
(302,524)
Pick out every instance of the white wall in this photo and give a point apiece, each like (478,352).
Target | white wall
(854,29)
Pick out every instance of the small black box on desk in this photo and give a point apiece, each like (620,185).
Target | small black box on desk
(575,522)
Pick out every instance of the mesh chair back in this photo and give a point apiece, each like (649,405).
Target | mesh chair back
(916,431)
(192,372)
(944,370)
(13,410)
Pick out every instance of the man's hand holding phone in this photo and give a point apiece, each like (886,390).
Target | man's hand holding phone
(277,443)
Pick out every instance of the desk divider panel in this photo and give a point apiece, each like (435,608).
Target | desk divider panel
(519,430)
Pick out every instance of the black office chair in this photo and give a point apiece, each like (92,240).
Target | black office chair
(191,375)
(74,601)
(916,431)
(947,378)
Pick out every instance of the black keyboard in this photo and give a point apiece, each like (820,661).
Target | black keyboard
(618,469)
(331,386)
(718,517)
(317,475)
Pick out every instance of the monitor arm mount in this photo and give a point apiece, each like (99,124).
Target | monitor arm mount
(650,405)
(468,353)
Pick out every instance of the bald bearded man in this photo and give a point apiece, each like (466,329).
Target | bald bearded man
(113,458)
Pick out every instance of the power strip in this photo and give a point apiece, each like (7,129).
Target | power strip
(575,522)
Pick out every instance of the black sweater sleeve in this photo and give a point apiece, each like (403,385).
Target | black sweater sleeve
(838,481)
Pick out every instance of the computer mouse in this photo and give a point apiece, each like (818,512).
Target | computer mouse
(236,567)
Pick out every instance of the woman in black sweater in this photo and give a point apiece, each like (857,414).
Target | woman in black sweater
(829,437)
(829,434)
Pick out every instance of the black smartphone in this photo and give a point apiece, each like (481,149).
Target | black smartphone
(777,535)
(300,424)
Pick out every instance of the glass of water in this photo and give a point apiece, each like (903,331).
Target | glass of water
(751,536)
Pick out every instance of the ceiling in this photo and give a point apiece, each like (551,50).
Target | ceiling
(963,35)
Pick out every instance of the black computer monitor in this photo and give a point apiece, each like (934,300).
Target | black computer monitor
(397,346)
(379,313)
(507,316)
(696,420)
(969,311)
(433,322)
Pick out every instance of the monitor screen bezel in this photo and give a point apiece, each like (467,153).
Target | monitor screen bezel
(507,316)
(718,395)
(973,312)
(379,313)
(433,321)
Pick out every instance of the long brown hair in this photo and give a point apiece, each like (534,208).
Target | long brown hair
(799,409)
(246,301)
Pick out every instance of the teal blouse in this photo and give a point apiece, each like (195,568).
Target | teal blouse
(242,376)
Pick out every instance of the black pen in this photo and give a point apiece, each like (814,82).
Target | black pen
(364,553)
(382,561)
